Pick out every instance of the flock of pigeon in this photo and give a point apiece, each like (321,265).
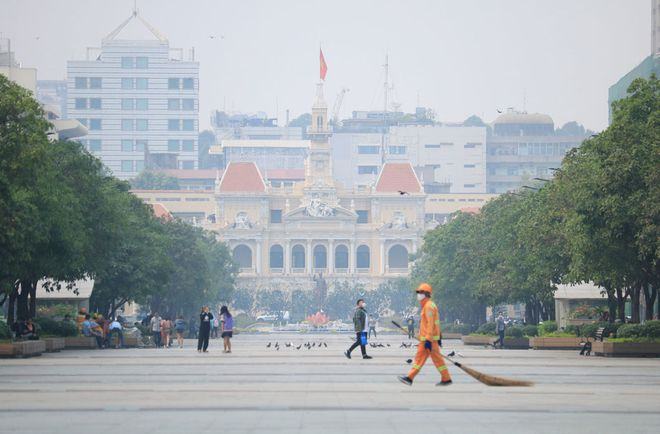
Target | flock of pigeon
(307,345)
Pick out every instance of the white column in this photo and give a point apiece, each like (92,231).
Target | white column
(258,257)
(382,257)
(331,256)
(287,257)
(414,245)
(351,257)
(308,263)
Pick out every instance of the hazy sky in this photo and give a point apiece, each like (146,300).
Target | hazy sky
(459,57)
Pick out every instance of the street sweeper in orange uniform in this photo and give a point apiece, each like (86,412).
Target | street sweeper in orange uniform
(430,339)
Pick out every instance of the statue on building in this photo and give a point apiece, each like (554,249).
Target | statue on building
(398,222)
(242,221)
(317,208)
(320,290)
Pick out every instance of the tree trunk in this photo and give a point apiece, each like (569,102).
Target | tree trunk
(611,304)
(621,304)
(650,294)
(22,310)
(11,307)
(33,299)
(634,301)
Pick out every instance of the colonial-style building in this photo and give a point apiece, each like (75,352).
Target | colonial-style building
(293,236)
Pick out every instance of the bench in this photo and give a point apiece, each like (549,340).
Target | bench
(586,346)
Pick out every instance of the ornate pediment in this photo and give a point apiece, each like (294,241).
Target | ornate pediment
(318,210)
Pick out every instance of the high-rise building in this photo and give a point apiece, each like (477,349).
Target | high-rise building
(524,146)
(53,94)
(139,99)
(650,65)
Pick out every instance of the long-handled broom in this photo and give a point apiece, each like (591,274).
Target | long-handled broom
(489,380)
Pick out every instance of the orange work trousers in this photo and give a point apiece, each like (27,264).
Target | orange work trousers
(438,361)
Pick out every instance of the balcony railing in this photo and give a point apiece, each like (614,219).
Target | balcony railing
(277,270)
(362,270)
(341,270)
(298,270)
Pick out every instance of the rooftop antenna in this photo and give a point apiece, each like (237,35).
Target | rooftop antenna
(386,66)
(135,10)
(524,100)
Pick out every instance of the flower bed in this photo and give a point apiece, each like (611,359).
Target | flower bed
(626,349)
(22,349)
(478,339)
(54,344)
(556,343)
(79,342)
(516,343)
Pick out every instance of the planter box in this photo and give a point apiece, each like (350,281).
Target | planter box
(516,343)
(623,349)
(80,342)
(581,321)
(22,349)
(54,344)
(131,342)
(452,336)
(478,340)
(541,343)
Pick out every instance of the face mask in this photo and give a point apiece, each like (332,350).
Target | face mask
(420,297)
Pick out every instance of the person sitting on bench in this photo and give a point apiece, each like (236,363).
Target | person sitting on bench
(28,330)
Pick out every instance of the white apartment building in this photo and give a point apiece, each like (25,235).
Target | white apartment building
(447,159)
(139,99)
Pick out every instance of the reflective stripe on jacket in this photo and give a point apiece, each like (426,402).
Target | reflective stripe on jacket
(429,324)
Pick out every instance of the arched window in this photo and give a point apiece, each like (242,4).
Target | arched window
(397,257)
(276,256)
(341,256)
(320,256)
(298,256)
(242,255)
(362,257)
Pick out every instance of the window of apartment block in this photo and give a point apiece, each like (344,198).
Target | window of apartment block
(188,104)
(141,83)
(367,170)
(95,145)
(188,125)
(469,185)
(188,83)
(95,124)
(126,165)
(126,62)
(188,145)
(469,166)
(142,62)
(95,103)
(368,149)
(127,83)
(81,103)
(397,150)
(127,104)
(139,165)
(363,216)
(141,104)
(95,83)
(276,216)
(187,164)
(126,145)
(173,104)
(127,125)
(173,145)
(173,83)
(80,82)
(173,125)
(83,122)
(140,145)
(141,124)
(472,145)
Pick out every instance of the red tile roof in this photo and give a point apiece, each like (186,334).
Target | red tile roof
(191,174)
(395,177)
(285,174)
(470,210)
(242,177)
(161,212)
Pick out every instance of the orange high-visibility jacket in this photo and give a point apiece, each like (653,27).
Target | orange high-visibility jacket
(429,325)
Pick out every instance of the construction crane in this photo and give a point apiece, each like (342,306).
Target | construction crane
(337,106)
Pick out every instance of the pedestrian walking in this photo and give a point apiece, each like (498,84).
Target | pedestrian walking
(205,319)
(180,329)
(227,325)
(411,327)
(430,339)
(500,326)
(372,328)
(361,324)
(155,329)
(165,331)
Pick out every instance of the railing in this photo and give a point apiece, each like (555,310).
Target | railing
(320,270)
(362,270)
(277,270)
(298,270)
(397,270)
(341,270)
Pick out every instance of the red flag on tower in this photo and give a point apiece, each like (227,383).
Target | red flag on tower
(324,66)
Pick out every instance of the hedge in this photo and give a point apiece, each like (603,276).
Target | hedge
(547,327)
(650,329)
(49,326)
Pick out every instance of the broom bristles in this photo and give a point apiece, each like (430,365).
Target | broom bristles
(492,380)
